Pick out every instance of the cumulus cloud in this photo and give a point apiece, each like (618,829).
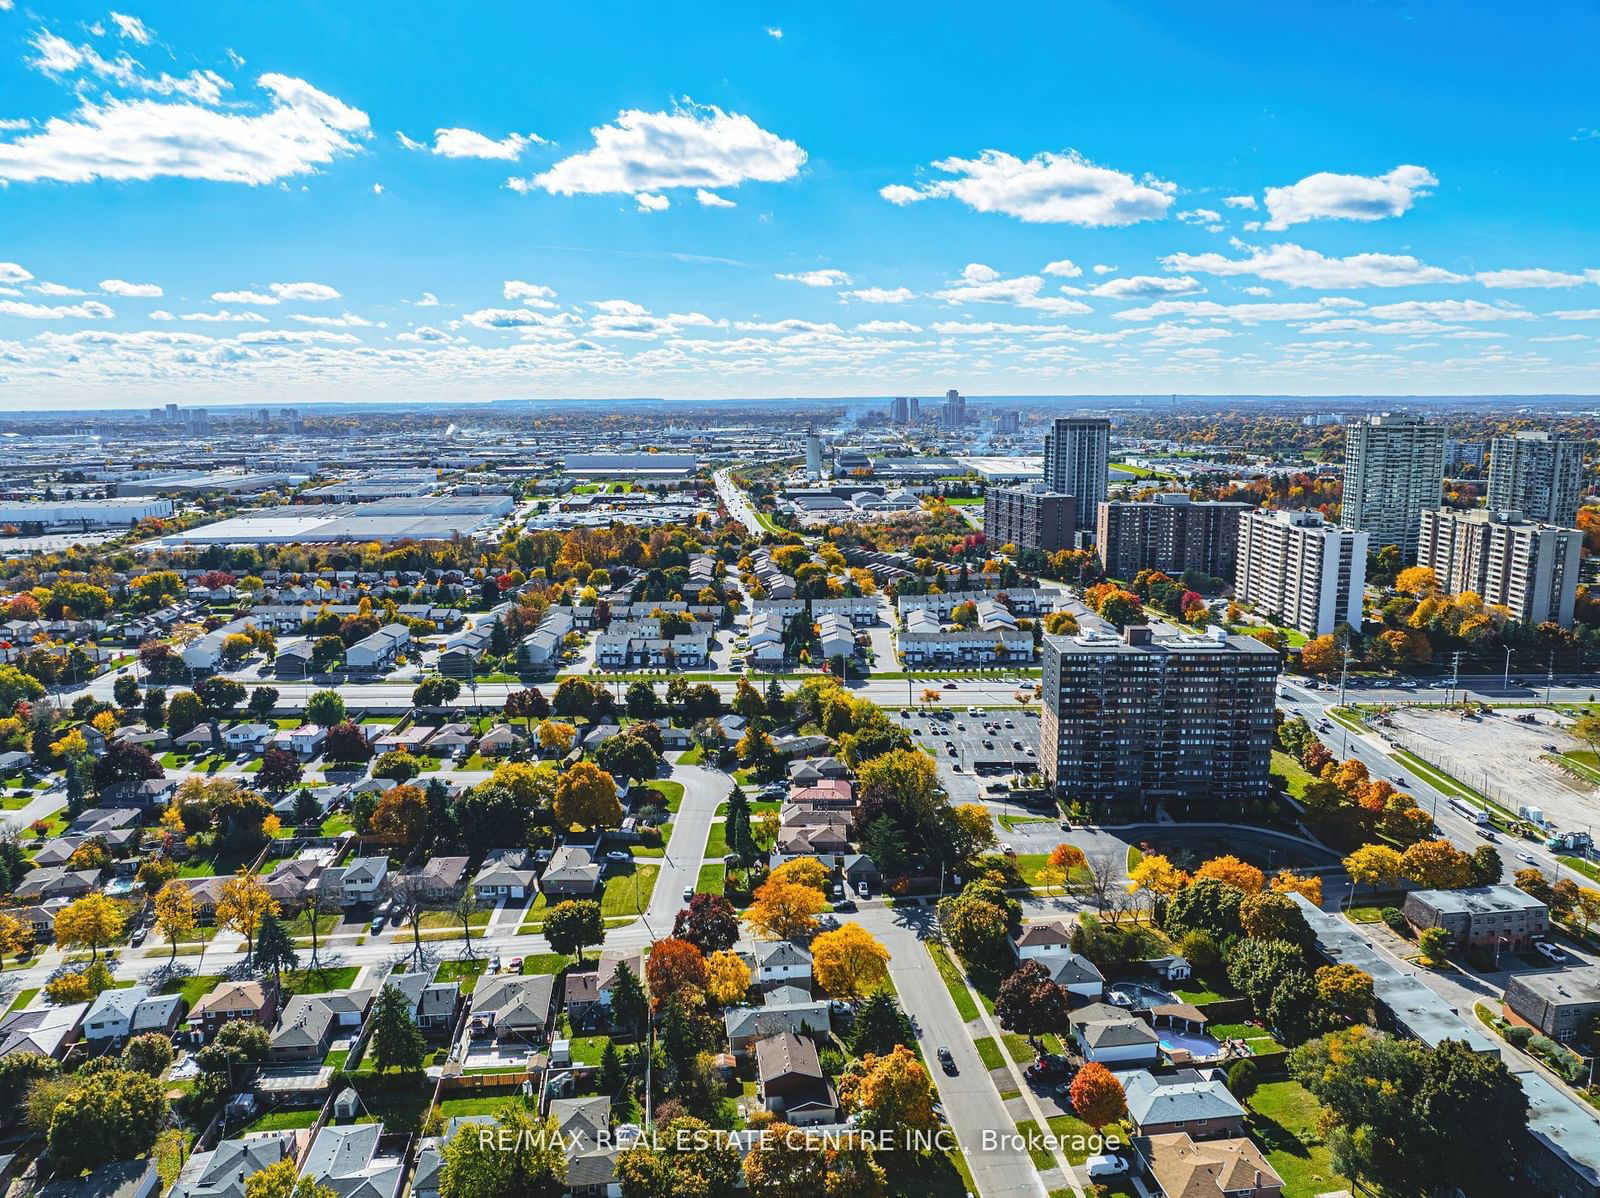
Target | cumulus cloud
(1208,218)
(695,146)
(1328,196)
(468,143)
(243,297)
(880,295)
(817,278)
(428,300)
(1101,268)
(1239,201)
(1146,287)
(10,272)
(534,295)
(1064,267)
(1535,277)
(57,289)
(132,290)
(88,310)
(775,33)
(301,129)
(1047,188)
(1242,313)
(888,326)
(710,199)
(1300,267)
(516,318)
(649,202)
(221,316)
(1456,310)
(346,320)
(980,284)
(306,293)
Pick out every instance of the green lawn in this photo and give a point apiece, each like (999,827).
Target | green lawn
(336,823)
(692,756)
(448,919)
(466,972)
(711,879)
(1295,777)
(1259,1039)
(962,997)
(1283,1120)
(478,1106)
(545,963)
(192,989)
(281,1120)
(717,842)
(23,998)
(306,981)
(989,1052)
(671,792)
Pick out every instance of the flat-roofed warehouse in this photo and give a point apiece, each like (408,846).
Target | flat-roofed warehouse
(83,513)
(630,465)
(419,518)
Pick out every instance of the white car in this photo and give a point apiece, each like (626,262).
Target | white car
(1528,857)
(618,855)
(1550,951)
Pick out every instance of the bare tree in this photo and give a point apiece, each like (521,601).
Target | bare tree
(465,908)
(1104,871)
(317,904)
(408,898)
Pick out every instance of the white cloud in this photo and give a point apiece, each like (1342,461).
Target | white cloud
(1207,217)
(55,56)
(347,320)
(57,289)
(1185,334)
(1256,290)
(377,189)
(468,143)
(302,129)
(888,326)
(306,293)
(132,28)
(1064,267)
(1101,268)
(243,297)
(428,300)
(1239,201)
(1146,287)
(1047,188)
(1471,310)
(649,202)
(1535,277)
(222,316)
(10,272)
(698,146)
(88,310)
(1327,196)
(1300,267)
(424,333)
(817,278)
(880,295)
(1577,314)
(785,326)
(516,318)
(534,295)
(710,199)
(13,124)
(132,290)
(1243,313)
(774,32)
(980,284)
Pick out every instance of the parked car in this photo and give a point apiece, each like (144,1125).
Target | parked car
(514,965)
(688,893)
(846,905)
(619,856)
(1549,951)
(376,925)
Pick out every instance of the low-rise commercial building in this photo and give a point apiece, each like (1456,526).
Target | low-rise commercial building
(1480,916)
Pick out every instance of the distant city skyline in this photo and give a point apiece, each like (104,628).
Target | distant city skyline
(301,203)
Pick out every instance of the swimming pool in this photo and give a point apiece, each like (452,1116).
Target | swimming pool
(1139,996)
(1196,1044)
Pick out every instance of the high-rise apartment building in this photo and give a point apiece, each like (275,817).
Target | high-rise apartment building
(1538,474)
(1077,462)
(1169,532)
(1029,516)
(900,409)
(1009,422)
(954,412)
(1393,472)
(1506,559)
(1158,716)
(1302,571)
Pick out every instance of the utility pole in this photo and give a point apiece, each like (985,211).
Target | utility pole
(1550,678)
(1344,669)
(1455,677)
(1505,683)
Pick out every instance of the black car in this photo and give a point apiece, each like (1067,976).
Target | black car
(844,904)
(948,1061)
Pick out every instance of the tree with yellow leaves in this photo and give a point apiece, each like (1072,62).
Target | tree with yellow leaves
(784,910)
(891,1092)
(1241,875)
(848,963)
(16,937)
(1050,877)
(91,922)
(727,977)
(802,871)
(1320,655)
(243,903)
(175,913)
(1417,581)
(1155,875)
(585,794)
(556,735)
(1374,865)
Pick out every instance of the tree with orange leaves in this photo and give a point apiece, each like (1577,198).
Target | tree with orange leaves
(1068,857)
(1306,886)
(783,909)
(1097,1096)
(1241,875)
(675,967)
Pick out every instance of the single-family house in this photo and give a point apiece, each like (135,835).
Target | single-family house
(501,740)
(48,1031)
(505,874)
(1201,1107)
(310,1022)
(115,1015)
(781,961)
(1038,938)
(256,1001)
(307,740)
(449,738)
(293,660)
(515,1006)
(790,1082)
(152,792)
(745,1026)
(248,736)
(379,650)
(56,882)
(1182,1168)
(357,1160)
(433,1004)
(125,1179)
(1113,1036)
(584,1127)
(572,870)
(221,1172)
(443,878)
(1073,972)
(363,881)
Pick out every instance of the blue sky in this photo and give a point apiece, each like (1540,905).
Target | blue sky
(301,201)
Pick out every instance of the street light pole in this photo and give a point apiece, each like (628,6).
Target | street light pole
(1505,683)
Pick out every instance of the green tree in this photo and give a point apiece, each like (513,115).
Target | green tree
(396,1041)
(574,925)
(149,1053)
(628,1003)
(686,1157)
(435,692)
(325,708)
(879,1025)
(275,948)
(523,1159)
(736,829)
(642,702)
(109,1115)
(979,931)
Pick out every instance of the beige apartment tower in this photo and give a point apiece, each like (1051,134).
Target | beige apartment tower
(1393,472)
(1304,572)
(1506,559)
